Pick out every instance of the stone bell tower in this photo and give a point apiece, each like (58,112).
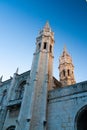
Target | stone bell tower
(44,52)
(66,69)
(33,109)
(42,69)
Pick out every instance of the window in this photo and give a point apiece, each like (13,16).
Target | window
(14,111)
(50,48)
(68,72)
(20,90)
(63,72)
(11,128)
(39,45)
(45,45)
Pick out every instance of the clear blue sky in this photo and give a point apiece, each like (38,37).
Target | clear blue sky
(20,22)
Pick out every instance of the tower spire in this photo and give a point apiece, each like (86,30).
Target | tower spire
(47,27)
(64,49)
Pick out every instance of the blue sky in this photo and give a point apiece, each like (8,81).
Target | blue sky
(20,22)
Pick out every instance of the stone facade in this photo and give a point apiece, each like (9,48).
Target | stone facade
(67,108)
(10,100)
(35,100)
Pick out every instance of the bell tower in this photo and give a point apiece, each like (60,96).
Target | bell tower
(66,69)
(42,69)
(33,109)
(44,51)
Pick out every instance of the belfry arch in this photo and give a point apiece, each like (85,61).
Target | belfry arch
(81,119)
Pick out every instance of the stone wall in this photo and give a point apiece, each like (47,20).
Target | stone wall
(63,106)
(8,112)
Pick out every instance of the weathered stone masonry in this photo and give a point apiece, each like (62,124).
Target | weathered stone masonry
(64,105)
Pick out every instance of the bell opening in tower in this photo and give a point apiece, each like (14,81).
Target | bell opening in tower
(45,45)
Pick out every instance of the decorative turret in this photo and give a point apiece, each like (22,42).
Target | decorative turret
(66,69)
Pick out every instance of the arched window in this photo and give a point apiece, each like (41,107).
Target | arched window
(11,128)
(64,73)
(81,119)
(20,90)
(68,72)
(45,45)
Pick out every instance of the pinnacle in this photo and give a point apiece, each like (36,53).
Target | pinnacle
(17,70)
(65,52)
(1,78)
(64,49)
(47,26)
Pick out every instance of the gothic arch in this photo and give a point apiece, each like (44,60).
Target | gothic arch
(11,128)
(20,89)
(81,119)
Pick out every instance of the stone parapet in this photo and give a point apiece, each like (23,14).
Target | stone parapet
(68,90)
